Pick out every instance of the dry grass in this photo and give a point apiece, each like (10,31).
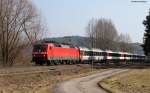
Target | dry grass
(135,81)
(40,82)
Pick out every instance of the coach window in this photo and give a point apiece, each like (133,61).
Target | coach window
(90,53)
(100,53)
(116,54)
(97,53)
(93,54)
(103,53)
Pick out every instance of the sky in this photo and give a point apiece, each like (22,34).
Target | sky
(70,17)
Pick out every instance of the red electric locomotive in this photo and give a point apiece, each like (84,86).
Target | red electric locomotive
(55,53)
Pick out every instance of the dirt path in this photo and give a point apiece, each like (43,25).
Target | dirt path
(86,84)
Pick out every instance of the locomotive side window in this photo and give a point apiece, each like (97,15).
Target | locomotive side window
(71,46)
(57,45)
(50,47)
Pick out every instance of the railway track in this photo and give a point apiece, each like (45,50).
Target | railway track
(16,70)
(24,70)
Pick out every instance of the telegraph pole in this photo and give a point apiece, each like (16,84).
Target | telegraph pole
(91,53)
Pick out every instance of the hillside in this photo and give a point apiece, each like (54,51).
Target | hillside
(84,41)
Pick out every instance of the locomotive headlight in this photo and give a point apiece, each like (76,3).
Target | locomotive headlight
(44,55)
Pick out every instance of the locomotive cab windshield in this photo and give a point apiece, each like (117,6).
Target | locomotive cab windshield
(40,48)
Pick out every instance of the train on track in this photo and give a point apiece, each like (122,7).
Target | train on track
(56,53)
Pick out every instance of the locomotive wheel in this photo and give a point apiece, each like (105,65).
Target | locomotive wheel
(55,63)
(73,62)
(48,63)
(39,63)
(69,62)
(64,62)
(61,62)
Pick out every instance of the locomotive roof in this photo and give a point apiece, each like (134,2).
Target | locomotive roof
(55,43)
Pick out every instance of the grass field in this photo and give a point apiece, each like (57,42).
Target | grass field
(42,82)
(134,81)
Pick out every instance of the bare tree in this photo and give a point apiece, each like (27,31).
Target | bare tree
(19,21)
(104,33)
(124,42)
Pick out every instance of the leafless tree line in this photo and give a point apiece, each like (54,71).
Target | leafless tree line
(104,35)
(20,25)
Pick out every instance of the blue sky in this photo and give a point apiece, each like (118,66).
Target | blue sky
(70,17)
